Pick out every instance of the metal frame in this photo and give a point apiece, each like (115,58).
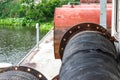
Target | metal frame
(114,19)
(116,23)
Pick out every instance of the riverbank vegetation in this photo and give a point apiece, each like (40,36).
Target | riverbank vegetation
(18,23)
(28,12)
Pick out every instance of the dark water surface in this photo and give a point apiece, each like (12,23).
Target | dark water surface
(16,43)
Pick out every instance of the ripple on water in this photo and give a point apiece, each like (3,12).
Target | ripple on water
(15,44)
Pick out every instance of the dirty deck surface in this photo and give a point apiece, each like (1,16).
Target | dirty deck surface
(42,58)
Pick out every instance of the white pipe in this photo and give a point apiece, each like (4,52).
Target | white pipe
(37,34)
(113,18)
(103,12)
(118,23)
(118,17)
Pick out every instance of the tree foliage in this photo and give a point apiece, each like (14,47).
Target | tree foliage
(39,12)
(43,11)
(8,8)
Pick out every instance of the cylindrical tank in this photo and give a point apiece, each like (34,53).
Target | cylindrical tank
(89,55)
(70,15)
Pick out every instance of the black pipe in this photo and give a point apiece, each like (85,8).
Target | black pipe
(21,73)
(89,56)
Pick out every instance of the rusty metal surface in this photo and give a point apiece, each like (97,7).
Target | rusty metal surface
(56,77)
(86,6)
(83,27)
(66,17)
(93,1)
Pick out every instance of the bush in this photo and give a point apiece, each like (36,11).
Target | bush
(43,11)
(28,11)
(9,8)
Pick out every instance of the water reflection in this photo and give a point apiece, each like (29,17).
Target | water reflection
(15,43)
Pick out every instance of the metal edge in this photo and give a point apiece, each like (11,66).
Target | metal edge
(35,47)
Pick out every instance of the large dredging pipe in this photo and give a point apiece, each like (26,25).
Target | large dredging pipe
(88,53)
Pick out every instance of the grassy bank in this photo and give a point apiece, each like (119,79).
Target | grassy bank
(46,26)
(18,23)
(12,21)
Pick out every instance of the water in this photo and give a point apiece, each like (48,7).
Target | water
(16,43)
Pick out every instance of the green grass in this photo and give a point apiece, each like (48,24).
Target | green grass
(11,21)
(46,26)
(17,23)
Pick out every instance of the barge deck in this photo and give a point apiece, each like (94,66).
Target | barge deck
(42,58)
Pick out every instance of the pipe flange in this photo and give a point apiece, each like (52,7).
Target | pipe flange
(80,28)
(56,77)
(29,70)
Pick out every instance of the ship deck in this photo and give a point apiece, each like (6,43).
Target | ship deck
(42,58)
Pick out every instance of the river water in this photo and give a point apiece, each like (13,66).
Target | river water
(16,43)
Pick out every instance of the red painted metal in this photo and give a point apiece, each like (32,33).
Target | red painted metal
(67,16)
(70,15)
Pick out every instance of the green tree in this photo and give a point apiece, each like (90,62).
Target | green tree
(9,8)
(26,1)
(43,11)
(30,11)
